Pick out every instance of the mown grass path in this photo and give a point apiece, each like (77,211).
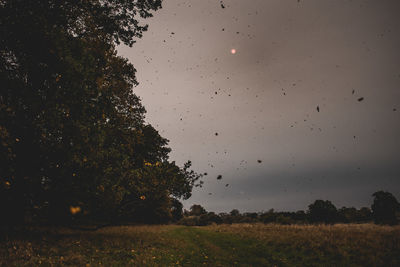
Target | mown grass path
(201,246)
(222,245)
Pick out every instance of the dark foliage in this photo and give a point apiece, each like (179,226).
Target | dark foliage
(319,212)
(197,210)
(351,215)
(73,141)
(385,209)
(322,212)
(177,210)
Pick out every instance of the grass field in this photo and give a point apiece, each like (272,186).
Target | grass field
(217,245)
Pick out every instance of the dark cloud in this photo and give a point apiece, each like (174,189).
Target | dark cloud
(291,59)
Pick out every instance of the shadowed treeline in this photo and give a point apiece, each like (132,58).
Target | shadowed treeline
(384,210)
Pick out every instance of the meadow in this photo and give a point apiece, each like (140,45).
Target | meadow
(214,245)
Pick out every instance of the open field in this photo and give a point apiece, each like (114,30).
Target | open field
(217,245)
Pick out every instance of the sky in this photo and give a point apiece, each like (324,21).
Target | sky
(308,106)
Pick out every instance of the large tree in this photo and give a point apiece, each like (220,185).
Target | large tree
(385,208)
(322,211)
(72,132)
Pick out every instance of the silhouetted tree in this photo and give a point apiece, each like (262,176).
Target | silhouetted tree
(364,215)
(300,217)
(252,215)
(269,216)
(322,212)
(234,212)
(385,208)
(73,139)
(209,218)
(347,215)
(197,210)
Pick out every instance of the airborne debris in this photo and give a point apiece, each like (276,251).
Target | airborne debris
(222,4)
(318,108)
(226,185)
(216,134)
(360,99)
(219,177)
(259,160)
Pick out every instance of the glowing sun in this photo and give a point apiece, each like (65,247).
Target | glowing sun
(233,51)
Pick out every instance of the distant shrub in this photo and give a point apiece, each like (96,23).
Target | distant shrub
(202,220)
(268,217)
(197,210)
(285,220)
(189,221)
(322,212)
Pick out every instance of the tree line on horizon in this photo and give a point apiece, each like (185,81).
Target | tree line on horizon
(385,210)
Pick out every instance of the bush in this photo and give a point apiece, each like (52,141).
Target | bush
(322,212)
(189,221)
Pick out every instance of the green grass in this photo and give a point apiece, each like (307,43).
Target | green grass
(219,249)
(218,245)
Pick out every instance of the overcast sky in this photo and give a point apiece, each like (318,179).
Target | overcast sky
(291,58)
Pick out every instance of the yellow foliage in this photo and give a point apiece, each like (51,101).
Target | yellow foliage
(74,210)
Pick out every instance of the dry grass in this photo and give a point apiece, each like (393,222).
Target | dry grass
(217,245)
(111,246)
(358,244)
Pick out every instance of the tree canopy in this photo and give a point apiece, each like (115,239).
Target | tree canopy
(72,132)
(385,208)
(322,211)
